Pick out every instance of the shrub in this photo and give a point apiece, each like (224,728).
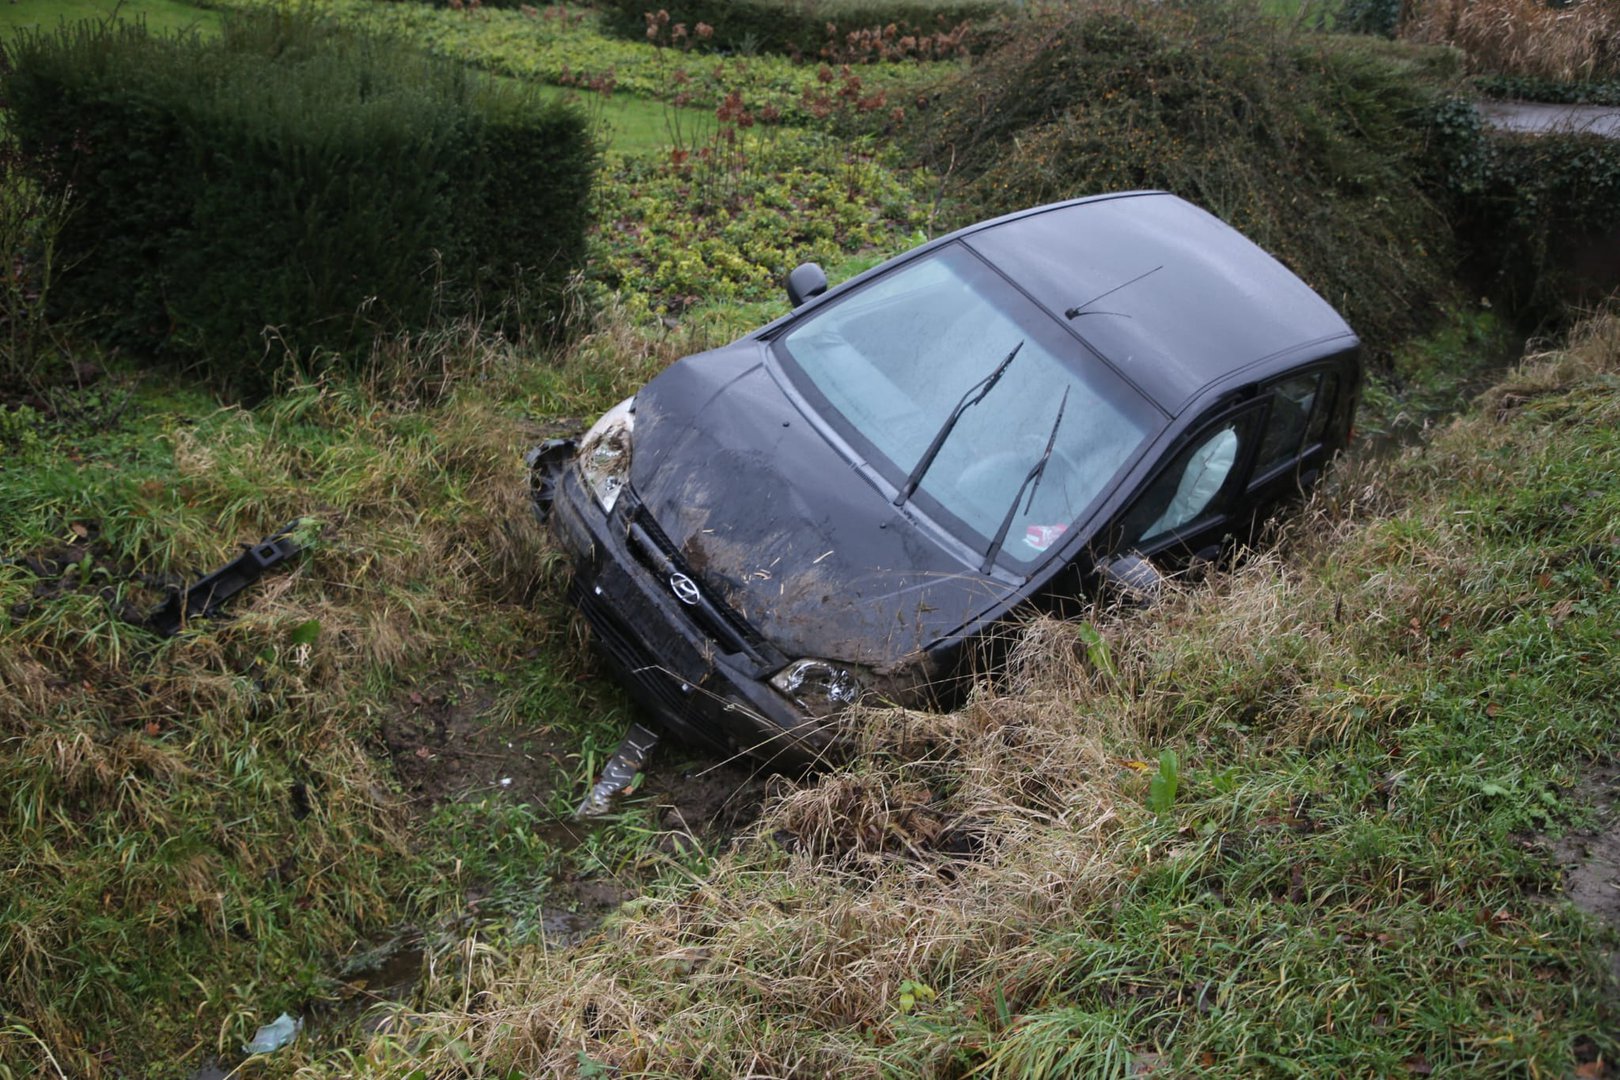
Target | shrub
(1381,17)
(1318,155)
(326,184)
(1542,225)
(30,220)
(803,27)
(1530,88)
(1568,41)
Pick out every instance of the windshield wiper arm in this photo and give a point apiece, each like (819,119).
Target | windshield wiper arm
(1034,475)
(975,394)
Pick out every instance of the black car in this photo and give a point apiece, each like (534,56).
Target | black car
(846,503)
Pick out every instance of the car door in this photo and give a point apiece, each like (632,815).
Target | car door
(1196,495)
(1299,429)
(1231,468)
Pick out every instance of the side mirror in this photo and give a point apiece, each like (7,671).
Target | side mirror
(1132,578)
(807,280)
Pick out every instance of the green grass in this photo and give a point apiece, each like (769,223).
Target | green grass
(1371,732)
(169,890)
(166,16)
(1374,735)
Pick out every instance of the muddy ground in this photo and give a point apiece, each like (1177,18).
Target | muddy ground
(1590,858)
(444,749)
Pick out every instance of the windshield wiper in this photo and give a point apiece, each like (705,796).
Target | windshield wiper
(982,387)
(1034,475)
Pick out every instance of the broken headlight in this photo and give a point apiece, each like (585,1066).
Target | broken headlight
(604,453)
(819,686)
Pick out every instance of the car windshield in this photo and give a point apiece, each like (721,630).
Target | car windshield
(890,362)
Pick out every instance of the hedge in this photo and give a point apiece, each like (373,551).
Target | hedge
(1320,156)
(1538,217)
(800,27)
(327,184)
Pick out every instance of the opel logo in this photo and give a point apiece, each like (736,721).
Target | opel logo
(684,588)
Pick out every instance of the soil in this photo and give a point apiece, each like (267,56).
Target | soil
(85,564)
(1590,859)
(443,749)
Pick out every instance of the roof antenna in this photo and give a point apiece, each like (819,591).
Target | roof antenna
(1080,309)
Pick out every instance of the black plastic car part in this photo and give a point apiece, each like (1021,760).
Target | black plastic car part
(543,462)
(209,593)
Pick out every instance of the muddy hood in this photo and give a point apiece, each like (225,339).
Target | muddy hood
(779,526)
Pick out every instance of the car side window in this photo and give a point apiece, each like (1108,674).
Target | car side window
(1293,405)
(1324,409)
(1194,486)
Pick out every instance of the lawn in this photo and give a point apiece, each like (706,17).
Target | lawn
(166,16)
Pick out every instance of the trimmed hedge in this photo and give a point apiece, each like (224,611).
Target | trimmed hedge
(289,175)
(799,27)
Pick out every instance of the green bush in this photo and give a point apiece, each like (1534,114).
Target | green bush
(327,184)
(1381,17)
(1318,155)
(1533,88)
(1540,222)
(800,27)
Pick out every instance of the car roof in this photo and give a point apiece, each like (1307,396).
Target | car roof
(1168,293)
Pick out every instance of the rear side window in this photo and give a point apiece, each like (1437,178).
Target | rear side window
(1325,405)
(1294,408)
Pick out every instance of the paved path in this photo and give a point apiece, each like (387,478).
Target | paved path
(1538,117)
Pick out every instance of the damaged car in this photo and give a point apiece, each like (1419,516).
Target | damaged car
(846,504)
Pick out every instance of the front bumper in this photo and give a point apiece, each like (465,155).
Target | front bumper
(692,663)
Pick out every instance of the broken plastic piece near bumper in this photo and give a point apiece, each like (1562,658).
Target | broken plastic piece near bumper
(1132,577)
(620,771)
(546,463)
(208,594)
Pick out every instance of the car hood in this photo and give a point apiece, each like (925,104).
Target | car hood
(781,527)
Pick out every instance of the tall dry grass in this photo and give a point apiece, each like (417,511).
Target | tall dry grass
(969,855)
(1579,42)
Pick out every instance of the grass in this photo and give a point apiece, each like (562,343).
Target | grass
(199,828)
(1569,43)
(1372,731)
(165,16)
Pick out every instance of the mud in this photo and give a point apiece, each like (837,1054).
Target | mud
(1590,859)
(443,748)
(85,564)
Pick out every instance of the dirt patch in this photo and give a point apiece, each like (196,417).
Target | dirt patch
(87,565)
(443,748)
(1590,859)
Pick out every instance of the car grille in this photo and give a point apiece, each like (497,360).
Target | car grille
(654,550)
(648,677)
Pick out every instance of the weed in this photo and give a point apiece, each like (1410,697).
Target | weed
(1577,41)
(1162,786)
